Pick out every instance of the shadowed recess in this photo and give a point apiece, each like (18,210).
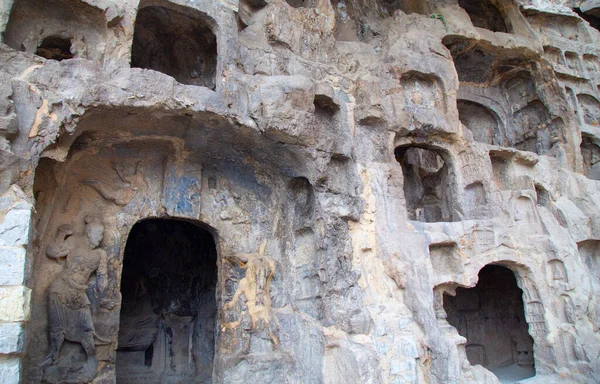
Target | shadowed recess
(426,186)
(491,317)
(484,14)
(167,326)
(179,44)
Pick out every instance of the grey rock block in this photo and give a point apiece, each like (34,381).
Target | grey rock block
(11,338)
(10,370)
(12,266)
(14,229)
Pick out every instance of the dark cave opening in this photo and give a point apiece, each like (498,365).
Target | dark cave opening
(427,187)
(55,48)
(168,312)
(180,44)
(484,14)
(491,317)
(592,17)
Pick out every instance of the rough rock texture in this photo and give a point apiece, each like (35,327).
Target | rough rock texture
(300,191)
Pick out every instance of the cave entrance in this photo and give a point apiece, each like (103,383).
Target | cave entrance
(168,312)
(491,317)
(177,41)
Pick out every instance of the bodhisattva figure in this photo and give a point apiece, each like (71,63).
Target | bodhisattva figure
(70,316)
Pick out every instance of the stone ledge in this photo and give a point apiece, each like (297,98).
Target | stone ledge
(11,338)
(14,304)
(12,266)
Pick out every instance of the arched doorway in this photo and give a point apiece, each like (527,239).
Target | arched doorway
(491,317)
(168,312)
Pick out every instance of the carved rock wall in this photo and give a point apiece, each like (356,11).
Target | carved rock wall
(355,163)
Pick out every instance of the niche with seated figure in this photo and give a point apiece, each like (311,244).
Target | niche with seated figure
(427,188)
(167,321)
(178,41)
(491,317)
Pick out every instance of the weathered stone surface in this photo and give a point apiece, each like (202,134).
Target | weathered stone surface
(10,370)
(11,338)
(15,303)
(13,261)
(300,191)
(14,229)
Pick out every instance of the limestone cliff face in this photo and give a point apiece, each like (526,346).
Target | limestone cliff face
(300,191)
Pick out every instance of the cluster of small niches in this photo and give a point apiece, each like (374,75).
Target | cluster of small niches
(176,40)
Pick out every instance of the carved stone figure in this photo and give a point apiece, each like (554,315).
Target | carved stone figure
(70,316)
(132,185)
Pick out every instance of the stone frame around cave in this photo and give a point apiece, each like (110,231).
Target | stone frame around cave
(533,305)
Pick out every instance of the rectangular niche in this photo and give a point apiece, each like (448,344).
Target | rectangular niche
(178,41)
(428,189)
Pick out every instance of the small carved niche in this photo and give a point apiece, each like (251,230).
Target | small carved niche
(71,29)
(178,41)
(427,188)
(543,197)
(55,48)
(523,210)
(566,312)
(501,171)
(484,14)
(557,272)
(590,151)
(590,109)
(326,110)
(554,54)
(591,62)
(301,196)
(476,200)
(481,121)
(423,92)
(573,61)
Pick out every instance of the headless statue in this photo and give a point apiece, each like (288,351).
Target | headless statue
(70,316)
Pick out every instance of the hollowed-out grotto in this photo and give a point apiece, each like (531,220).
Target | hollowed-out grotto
(299,191)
